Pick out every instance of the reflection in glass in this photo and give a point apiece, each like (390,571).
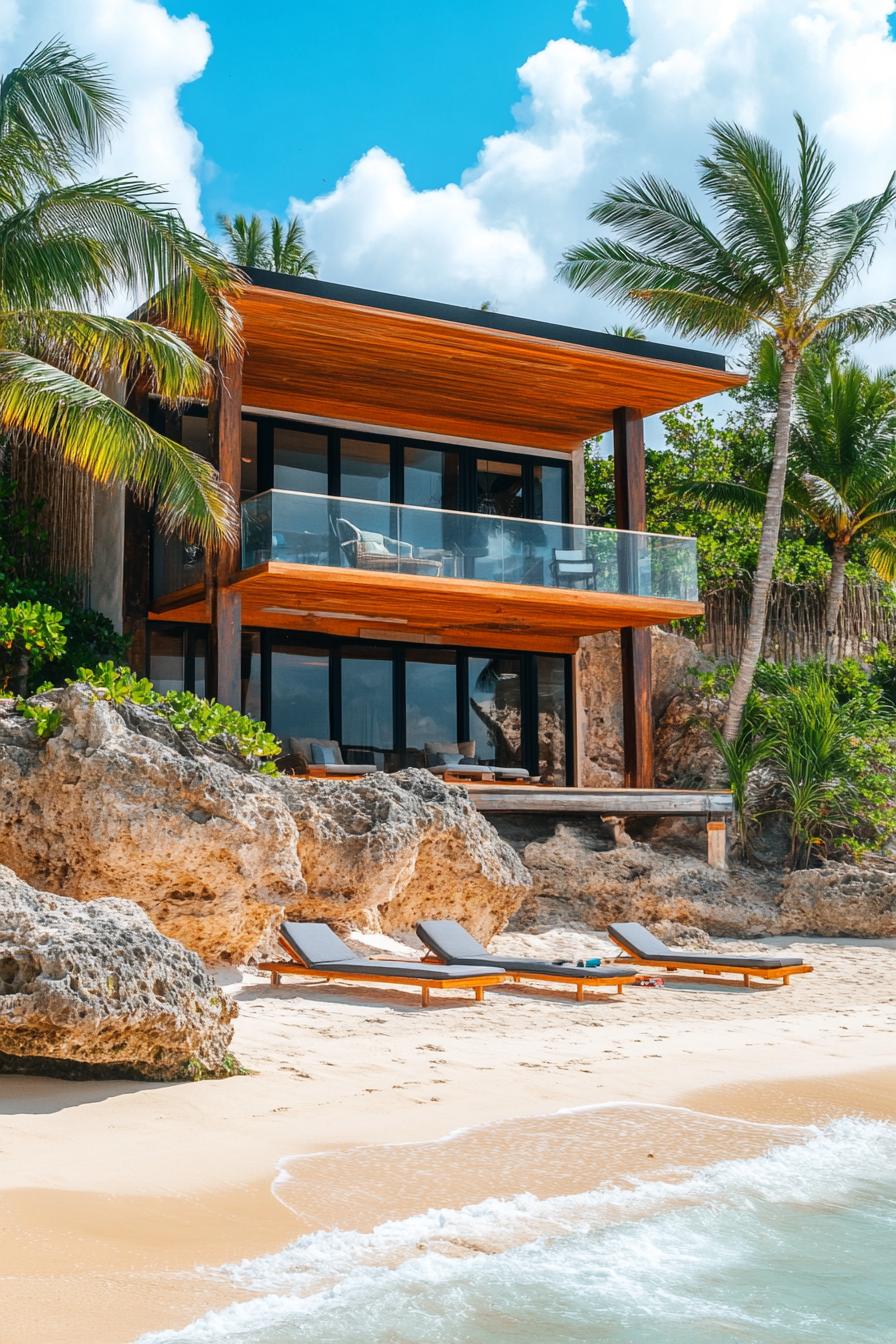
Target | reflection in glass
(367,685)
(550,491)
(166,660)
(248,459)
(300,692)
(551,674)
(300,461)
(430,699)
(431,481)
(251,674)
(194,434)
(200,648)
(364,469)
(496,709)
(499,488)
(176,563)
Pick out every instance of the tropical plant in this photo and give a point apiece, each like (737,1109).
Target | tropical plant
(69,247)
(278,247)
(629,332)
(780,262)
(842,471)
(31,634)
(207,720)
(740,758)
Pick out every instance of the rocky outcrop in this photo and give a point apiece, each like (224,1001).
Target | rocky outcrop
(839,899)
(118,802)
(92,988)
(577,879)
(684,752)
(391,849)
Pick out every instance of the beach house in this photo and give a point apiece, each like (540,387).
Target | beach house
(416,571)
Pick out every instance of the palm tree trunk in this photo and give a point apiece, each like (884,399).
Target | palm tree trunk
(768,547)
(836,584)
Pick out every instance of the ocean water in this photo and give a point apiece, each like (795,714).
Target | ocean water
(796,1244)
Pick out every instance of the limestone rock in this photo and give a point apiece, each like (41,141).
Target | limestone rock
(391,849)
(93,988)
(119,803)
(840,899)
(575,882)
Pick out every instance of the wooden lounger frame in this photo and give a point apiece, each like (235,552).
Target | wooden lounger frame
(479,983)
(747,973)
(607,982)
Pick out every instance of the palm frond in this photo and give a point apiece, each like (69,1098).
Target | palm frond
(248,240)
(881,555)
(866,320)
(816,174)
(89,430)
(754,193)
(88,346)
(62,101)
(289,252)
(852,235)
(723,496)
(830,510)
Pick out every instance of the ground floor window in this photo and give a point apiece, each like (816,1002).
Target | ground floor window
(391,704)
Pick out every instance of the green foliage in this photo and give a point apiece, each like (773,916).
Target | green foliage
(740,759)
(44,719)
(31,634)
(277,247)
(828,739)
(230,1067)
(206,719)
(25,577)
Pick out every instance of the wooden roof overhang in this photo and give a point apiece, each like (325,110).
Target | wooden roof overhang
(356,602)
(337,353)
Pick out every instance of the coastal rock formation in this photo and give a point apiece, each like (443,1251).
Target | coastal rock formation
(92,988)
(684,753)
(574,881)
(117,802)
(839,899)
(388,850)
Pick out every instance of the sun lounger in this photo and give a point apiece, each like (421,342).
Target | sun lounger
(450,943)
(643,949)
(316,951)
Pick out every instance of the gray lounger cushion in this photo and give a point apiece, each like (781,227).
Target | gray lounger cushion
(450,940)
(471,770)
(319,948)
(641,943)
(510,772)
(362,768)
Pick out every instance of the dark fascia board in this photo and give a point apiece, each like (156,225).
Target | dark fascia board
(476,317)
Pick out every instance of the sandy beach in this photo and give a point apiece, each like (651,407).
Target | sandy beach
(114,1192)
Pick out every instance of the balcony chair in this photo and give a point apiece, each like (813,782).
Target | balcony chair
(456,763)
(573,569)
(374,550)
(321,758)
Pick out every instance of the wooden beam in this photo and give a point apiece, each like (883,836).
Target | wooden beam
(224,601)
(136,572)
(635,649)
(601,802)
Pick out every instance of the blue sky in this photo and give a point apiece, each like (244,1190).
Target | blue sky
(294,93)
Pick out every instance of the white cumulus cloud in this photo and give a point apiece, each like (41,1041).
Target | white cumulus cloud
(587,118)
(579,18)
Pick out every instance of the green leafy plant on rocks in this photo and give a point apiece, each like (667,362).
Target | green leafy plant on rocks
(207,720)
(31,634)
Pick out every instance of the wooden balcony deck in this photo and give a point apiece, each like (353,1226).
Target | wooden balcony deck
(715,803)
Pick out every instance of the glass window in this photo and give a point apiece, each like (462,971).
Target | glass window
(499,488)
(430,699)
(300,691)
(200,648)
(250,672)
(166,659)
(496,709)
(249,459)
(176,563)
(552,763)
(431,481)
(194,434)
(300,461)
(365,470)
(550,492)
(367,708)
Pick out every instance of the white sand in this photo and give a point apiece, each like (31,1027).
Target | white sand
(163,1176)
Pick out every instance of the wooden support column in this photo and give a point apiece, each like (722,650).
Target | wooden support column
(224,636)
(636,658)
(136,560)
(716,844)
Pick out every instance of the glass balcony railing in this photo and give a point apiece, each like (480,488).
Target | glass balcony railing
(306,529)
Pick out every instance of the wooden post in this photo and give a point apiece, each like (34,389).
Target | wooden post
(224,642)
(716,844)
(136,559)
(635,649)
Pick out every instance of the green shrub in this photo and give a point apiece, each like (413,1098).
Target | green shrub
(206,719)
(31,634)
(44,719)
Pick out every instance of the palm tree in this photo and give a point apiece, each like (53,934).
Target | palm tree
(69,247)
(631,333)
(842,476)
(780,261)
(278,248)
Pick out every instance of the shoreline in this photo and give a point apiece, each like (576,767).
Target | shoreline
(114,1193)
